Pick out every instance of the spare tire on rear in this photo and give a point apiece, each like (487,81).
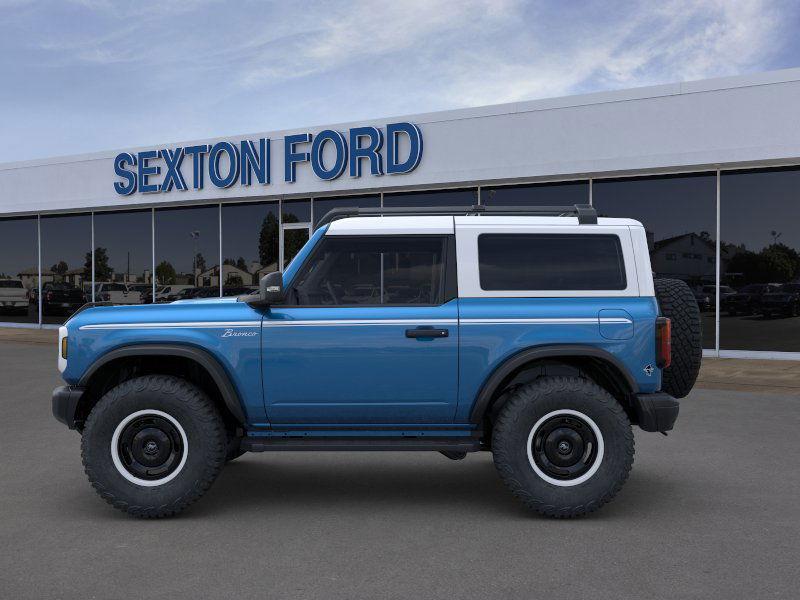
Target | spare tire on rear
(677,302)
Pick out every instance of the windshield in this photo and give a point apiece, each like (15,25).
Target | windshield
(791,288)
(10,283)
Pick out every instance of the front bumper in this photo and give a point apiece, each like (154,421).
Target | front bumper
(65,404)
(656,412)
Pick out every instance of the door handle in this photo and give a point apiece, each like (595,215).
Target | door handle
(427,332)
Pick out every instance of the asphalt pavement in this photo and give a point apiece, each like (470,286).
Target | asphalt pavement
(712,511)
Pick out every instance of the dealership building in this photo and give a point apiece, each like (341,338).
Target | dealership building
(711,168)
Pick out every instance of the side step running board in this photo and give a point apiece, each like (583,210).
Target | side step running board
(266,444)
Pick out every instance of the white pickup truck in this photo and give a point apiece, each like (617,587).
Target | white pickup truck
(13,296)
(117,293)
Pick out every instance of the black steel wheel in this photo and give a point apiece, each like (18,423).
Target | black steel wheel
(564,446)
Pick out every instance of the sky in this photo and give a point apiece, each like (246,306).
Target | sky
(81,76)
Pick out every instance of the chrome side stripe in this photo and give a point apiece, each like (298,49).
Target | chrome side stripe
(549,321)
(184,325)
(359,322)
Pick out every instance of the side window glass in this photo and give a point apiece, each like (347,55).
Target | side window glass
(550,262)
(379,270)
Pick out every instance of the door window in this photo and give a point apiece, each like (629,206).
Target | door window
(381,270)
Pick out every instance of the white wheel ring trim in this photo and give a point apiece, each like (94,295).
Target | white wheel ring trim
(115,448)
(600,448)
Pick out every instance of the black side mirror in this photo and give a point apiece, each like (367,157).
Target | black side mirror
(271,288)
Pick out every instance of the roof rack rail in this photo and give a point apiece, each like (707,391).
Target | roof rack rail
(586,213)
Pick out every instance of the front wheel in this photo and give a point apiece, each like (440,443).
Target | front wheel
(563,445)
(153,445)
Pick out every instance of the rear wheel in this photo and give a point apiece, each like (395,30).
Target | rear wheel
(153,445)
(677,302)
(563,445)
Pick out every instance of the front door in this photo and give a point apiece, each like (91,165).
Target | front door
(368,335)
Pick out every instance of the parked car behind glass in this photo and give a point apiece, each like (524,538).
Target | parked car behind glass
(784,301)
(13,296)
(747,301)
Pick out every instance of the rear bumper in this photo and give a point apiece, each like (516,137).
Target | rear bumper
(656,412)
(65,404)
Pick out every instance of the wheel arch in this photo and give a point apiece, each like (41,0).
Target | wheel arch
(598,364)
(129,361)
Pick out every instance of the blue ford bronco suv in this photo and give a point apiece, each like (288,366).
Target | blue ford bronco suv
(537,334)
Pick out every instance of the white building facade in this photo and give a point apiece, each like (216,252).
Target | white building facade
(712,169)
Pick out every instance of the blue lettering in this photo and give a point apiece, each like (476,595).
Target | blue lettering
(213,164)
(371,151)
(318,147)
(255,162)
(173,176)
(197,153)
(291,158)
(146,171)
(393,132)
(122,159)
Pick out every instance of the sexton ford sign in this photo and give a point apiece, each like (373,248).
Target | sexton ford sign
(225,164)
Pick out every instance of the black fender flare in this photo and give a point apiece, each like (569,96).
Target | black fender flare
(230,396)
(515,361)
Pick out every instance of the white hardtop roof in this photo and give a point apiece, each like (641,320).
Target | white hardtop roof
(423,224)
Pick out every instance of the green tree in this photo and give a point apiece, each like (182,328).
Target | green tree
(241,263)
(60,268)
(102,270)
(268,241)
(200,262)
(165,273)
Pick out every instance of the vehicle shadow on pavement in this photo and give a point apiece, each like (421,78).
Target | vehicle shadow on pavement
(380,483)
(369,484)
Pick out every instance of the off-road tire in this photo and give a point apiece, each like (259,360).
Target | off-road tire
(677,302)
(205,451)
(527,406)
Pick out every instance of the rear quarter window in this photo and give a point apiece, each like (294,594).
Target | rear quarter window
(523,261)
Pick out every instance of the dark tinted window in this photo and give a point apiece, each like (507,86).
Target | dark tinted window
(19,266)
(378,270)
(540,194)
(296,211)
(187,246)
(323,205)
(250,240)
(436,198)
(66,261)
(123,253)
(760,249)
(550,262)
(679,214)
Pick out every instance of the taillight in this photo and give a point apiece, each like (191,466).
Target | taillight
(663,342)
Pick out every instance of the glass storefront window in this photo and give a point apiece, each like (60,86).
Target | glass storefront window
(466,197)
(679,214)
(564,193)
(760,260)
(250,240)
(296,211)
(123,262)
(187,252)
(19,270)
(66,265)
(323,205)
